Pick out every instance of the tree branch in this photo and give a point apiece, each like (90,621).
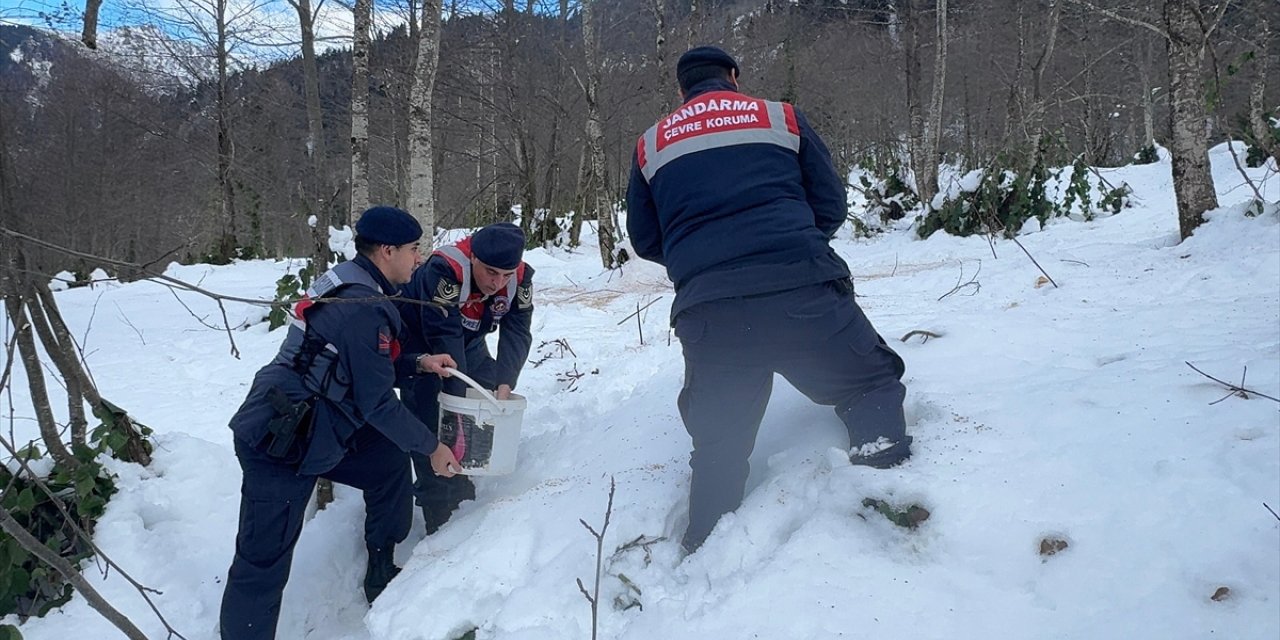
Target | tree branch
(1122,18)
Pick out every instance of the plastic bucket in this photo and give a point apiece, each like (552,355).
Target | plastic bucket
(482,431)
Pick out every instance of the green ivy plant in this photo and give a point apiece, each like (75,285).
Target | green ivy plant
(289,289)
(1004,200)
(27,586)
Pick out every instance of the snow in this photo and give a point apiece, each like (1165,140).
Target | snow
(1040,411)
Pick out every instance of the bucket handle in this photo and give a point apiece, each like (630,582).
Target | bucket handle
(475,385)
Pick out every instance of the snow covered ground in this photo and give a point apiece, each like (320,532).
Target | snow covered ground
(1063,411)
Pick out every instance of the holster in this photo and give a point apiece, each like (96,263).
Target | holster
(289,432)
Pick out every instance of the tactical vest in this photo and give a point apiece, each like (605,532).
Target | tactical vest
(308,353)
(459,258)
(716,119)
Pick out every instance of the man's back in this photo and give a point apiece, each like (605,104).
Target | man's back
(736,196)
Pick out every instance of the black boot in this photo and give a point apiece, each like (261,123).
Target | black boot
(881,454)
(381,570)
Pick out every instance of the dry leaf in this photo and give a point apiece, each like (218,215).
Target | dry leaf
(1221,594)
(1050,546)
(1041,281)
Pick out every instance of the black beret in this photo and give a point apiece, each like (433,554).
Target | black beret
(498,245)
(388,225)
(704,56)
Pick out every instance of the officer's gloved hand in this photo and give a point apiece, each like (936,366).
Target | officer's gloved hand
(443,463)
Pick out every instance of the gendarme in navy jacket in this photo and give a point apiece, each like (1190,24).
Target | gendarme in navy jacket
(358,390)
(471,316)
(736,196)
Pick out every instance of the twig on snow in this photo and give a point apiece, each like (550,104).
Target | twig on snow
(973,282)
(1235,390)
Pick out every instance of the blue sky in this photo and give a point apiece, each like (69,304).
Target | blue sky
(271,22)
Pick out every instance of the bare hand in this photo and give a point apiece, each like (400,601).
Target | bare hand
(436,364)
(504,392)
(443,462)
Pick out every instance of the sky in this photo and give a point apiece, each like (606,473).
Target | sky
(272,22)
(1040,413)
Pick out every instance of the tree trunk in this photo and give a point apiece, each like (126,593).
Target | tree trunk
(1188,119)
(228,242)
(695,25)
(933,122)
(1261,129)
(666,86)
(925,124)
(598,202)
(1148,92)
(1035,119)
(421,202)
(15,304)
(89,36)
(315,193)
(363,13)
(580,199)
(1015,109)
(58,353)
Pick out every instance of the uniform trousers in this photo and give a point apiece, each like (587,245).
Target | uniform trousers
(273,501)
(818,338)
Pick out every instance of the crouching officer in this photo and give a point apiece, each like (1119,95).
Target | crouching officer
(324,408)
(485,285)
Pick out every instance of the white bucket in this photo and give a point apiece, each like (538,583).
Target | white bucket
(482,431)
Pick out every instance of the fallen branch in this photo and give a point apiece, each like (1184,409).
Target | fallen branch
(1273,511)
(637,311)
(973,282)
(1033,261)
(171,281)
(920,332)
(1235,390)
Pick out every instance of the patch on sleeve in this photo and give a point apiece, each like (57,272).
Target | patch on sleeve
(447,292)
(385,341)
(524,296)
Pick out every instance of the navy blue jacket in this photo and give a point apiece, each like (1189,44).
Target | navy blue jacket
(470,318)
(736,196)
(364,335)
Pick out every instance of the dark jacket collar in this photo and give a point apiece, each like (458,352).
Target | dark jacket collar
(368,265)
(709,85)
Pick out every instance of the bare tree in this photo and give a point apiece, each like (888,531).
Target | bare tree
(598,201)
(1188,33)
(363,13)
(925,125)
(1036,110)
(220,26)
(89,34)
(1186,29)
(421,159)
(1258,124)
(314,192)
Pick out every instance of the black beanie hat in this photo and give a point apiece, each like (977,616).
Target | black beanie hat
(388,225)
(700,57)
(498,245)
